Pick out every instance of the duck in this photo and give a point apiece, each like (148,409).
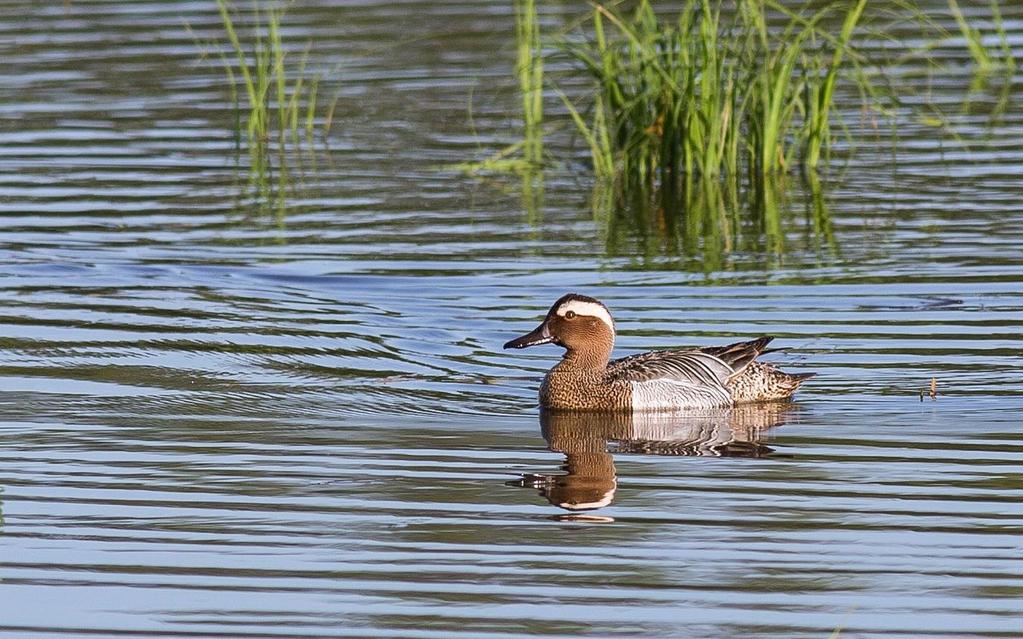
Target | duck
(587,379)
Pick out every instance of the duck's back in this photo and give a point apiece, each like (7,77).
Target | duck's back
(672,380)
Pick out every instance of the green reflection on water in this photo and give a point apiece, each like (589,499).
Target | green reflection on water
(706,220)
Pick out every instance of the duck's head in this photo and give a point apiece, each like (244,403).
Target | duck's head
(581,324)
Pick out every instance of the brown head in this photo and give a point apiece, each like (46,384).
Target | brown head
(580,324)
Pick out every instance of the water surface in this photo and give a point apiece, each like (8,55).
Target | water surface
(223,419)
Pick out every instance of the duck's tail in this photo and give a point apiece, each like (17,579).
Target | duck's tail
(764,382)
(755,381)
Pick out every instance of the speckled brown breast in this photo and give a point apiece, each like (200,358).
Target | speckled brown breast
(584,390)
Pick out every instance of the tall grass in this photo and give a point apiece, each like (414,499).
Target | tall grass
(820,94)
(529,71)
(709,95)
(275,100)
(984,59)
(703,114)
(525,156)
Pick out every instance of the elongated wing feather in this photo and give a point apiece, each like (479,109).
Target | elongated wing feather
(692,367)
(740,354)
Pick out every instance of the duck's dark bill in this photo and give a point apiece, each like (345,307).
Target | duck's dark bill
(538,335)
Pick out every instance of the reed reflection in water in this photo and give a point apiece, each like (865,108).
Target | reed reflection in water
(590,439)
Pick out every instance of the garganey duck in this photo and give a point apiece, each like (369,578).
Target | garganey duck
(587,379)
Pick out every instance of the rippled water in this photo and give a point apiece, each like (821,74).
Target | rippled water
(218,419)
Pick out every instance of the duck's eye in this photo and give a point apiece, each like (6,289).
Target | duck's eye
(569,314)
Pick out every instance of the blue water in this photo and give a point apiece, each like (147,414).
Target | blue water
(221,416)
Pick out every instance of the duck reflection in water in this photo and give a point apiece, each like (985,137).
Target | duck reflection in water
(589,440)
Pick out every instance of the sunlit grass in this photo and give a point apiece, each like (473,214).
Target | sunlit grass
(529,71)
(526,155)
(268,89)
(275,101)
(708,94)
(985,59)
(710,110)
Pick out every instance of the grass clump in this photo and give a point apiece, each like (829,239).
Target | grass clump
(275,102)
(704,112)
(710,94)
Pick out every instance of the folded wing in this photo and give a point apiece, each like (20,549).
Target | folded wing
(685,378)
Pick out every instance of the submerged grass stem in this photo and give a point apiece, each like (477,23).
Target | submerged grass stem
(277,100)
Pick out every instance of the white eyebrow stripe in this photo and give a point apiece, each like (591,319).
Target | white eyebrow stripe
(587,308)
